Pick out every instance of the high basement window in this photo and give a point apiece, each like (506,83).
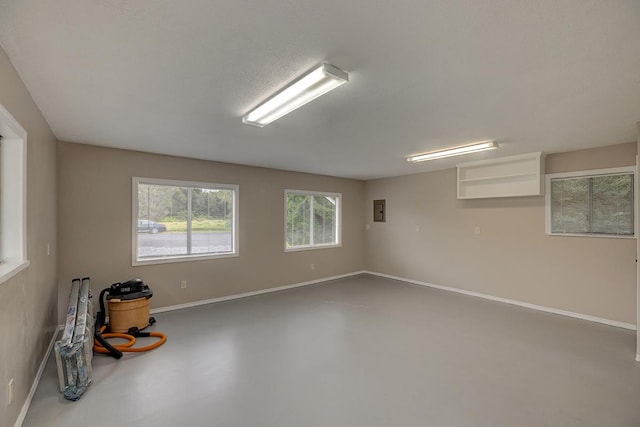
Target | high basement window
(594,203)
(312,220)
(182,221)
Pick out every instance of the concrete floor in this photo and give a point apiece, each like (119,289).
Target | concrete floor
(363,351)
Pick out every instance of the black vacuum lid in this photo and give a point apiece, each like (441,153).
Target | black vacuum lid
(133,289)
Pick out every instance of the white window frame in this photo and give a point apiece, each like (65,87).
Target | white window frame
(338,197)
(135,261)
(13,199)
(586,174)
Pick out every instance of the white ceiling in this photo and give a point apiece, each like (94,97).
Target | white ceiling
(174,77)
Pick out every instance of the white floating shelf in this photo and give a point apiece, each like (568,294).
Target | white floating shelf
(513,176)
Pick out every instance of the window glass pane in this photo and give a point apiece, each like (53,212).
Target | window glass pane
(598,204)
(162,216)
(211,220)
(570,205)
(298,220)
(324,215)
(177,220)
(312,219)
(612,205)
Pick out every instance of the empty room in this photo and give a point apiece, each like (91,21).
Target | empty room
(319,214)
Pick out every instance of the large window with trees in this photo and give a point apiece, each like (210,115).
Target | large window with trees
(179,220)
(594,203)
(312,219)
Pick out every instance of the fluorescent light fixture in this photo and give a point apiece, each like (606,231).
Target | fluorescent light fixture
(316,82)
(454,151)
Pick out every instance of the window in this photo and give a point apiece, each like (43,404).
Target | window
(13,197)
(181,221)
(312,220)
(594,203)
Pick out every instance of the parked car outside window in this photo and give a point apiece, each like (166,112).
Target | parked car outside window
(147,226)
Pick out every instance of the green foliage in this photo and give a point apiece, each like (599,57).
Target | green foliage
(298,220)
(165,203)
(199,225)
(310,220)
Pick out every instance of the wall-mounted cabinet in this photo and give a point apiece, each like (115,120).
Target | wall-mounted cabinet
(514,176)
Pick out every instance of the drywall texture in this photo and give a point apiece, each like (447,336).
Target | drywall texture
(610,156)
(28,300)
(95,226)
(512,257)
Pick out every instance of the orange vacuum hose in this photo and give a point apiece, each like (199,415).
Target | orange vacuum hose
(128,346)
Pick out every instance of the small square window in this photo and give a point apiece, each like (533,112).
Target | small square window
(312,220)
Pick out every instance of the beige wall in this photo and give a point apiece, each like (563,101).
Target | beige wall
(95,226)
(28,300)
(637,264)
(610,156)
(512,257)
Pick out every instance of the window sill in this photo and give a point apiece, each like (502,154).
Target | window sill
(10,269)
(306,248)
(599,236)
(186,258)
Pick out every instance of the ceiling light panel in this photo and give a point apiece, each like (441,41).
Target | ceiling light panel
(308,87)
(453,151)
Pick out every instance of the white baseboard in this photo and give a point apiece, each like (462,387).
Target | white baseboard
(36,380)
(609,322)
(252,293)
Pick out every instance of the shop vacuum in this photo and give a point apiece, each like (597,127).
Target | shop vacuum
(83,334)
(128,304)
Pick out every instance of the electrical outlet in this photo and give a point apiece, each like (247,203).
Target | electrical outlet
(476,230)
(183,284)
(10,392)
(48,249)
(417,228)
(313,266)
